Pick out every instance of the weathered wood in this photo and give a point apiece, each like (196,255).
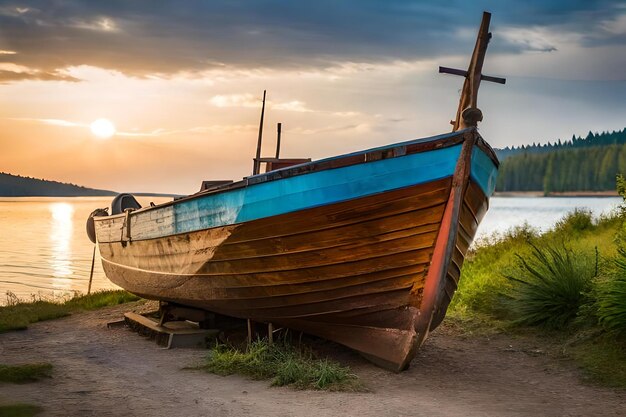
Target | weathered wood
(270,333)
(278,132)
(463,73)
(93,261)
(468,102)
(172,335)
(256,165)
(214,184)
(430,296)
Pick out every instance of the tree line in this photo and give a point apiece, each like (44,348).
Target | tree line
(617,137)
(582,169)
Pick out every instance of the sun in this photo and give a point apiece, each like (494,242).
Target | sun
(102,128)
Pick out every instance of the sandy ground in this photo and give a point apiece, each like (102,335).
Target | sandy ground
(114,372)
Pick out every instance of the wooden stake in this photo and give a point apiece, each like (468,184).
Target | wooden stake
(257,164)
(93,261)
(270,333)
(249,332)
(278,127)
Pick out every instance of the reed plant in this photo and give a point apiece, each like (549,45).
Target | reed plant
(550,285)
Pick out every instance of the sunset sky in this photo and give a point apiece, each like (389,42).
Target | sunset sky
(182,81)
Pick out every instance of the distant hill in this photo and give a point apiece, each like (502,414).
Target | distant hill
(18,186)
(580,164)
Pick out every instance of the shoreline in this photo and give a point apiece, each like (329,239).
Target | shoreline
(535,194)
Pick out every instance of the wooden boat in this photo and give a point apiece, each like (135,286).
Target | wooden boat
(364,249)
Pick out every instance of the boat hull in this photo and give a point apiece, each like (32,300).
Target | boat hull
(362,272)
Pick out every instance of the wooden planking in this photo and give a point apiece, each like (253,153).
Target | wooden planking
(320,301)
(205,246)
(377,261)
(279,279)
(188,289)
(400,226)
(397,242)
(390,347)
(390,298)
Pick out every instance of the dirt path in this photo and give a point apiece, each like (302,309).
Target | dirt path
(113,372)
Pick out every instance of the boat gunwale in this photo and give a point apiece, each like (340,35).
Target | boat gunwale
(324,228)
(369,155)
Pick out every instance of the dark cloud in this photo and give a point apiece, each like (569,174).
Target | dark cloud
(11,76)
(163,37)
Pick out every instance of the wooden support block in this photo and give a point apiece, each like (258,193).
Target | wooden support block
(171,334)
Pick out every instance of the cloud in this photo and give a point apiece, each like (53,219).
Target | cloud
(52,122)
(104,24)
(251,101)
(356,128)
(616,26)
(293,105)
(235,100)
(15,11)
(167,38)
(536,39)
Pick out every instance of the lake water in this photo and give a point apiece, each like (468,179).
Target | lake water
(44,250)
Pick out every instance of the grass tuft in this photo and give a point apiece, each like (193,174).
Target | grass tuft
(19,410)
(550,286)
(17,314)
(284,364)
(21,374)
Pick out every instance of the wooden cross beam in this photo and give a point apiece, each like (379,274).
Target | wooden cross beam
(463,73)
(468,113)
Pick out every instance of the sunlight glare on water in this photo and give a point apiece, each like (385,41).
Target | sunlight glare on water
(60,236)
(44,249)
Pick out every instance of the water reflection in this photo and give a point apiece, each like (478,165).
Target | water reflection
(60,242)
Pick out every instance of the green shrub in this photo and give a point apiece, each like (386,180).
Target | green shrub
(549,287)
(610,296)
(578,220)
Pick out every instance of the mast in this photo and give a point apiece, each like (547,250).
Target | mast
(468,113)
(278,128)
(257,163)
